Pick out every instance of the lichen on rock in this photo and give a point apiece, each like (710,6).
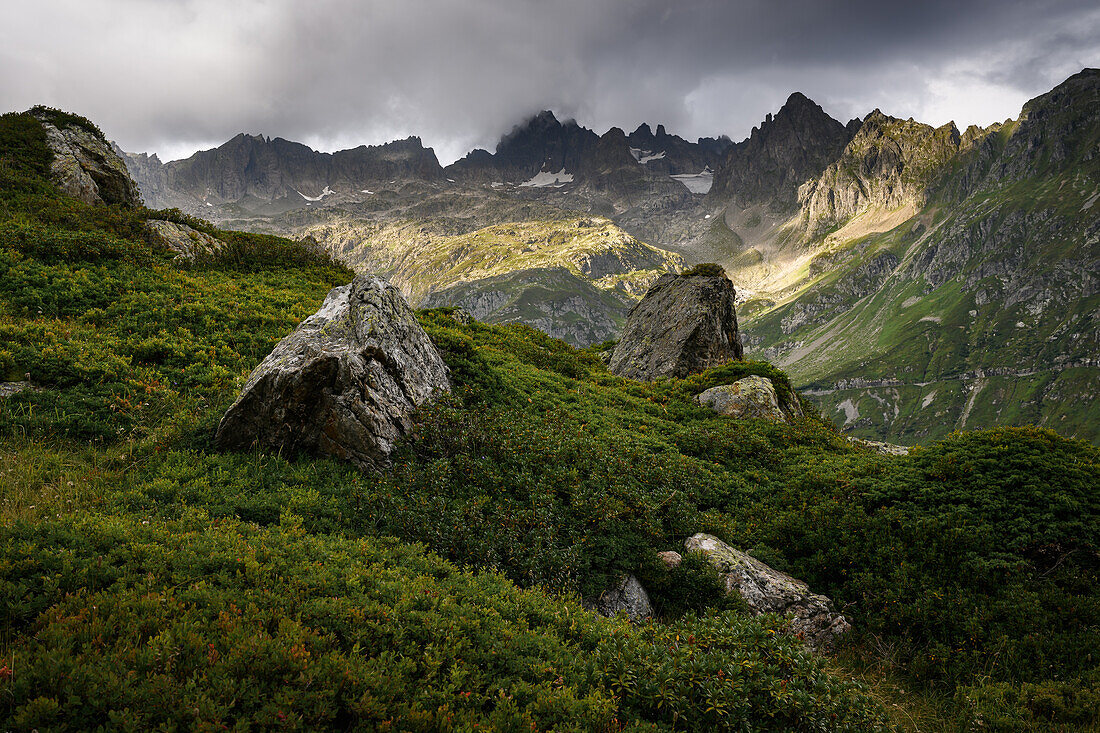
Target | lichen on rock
(767,590)
(752,396)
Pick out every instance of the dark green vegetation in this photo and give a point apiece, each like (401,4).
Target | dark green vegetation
(148,581)
(706,269)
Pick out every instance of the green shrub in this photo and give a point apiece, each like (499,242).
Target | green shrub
(193,624)
(694,586)
(705,269)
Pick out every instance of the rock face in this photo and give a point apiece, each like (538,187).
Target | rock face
(799,142)
(344,384)
(753,396)
(270,176)
(767,590)
(85,165)
(683,325)
(628,596)
(888,164)
(182,239)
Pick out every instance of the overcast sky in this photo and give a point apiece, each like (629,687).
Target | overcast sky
(175,76)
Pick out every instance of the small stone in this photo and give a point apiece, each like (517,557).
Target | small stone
(877,446)
(670,558)
(628,597)
(182,239)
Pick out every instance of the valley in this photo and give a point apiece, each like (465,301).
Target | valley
(877,249)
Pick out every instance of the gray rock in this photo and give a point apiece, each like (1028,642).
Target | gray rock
(10,389)
(753,396)
(185,241)
(628,597)
(344,384)
(684,325)
(767,590)
(877,446)
(670,559)
(86,166)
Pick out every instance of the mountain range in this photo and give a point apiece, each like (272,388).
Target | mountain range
(912,279)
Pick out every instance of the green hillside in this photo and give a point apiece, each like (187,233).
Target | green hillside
(977,309)
(148,581)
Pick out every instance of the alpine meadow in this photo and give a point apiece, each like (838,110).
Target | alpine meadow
(598,431)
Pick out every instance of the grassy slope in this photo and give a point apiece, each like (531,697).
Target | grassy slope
(148,580)
(546,271)
(906,331)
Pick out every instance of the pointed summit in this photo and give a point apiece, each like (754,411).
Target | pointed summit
(795,144)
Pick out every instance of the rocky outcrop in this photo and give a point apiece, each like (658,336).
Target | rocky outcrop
(684,325)
(10,389)
(85,165)
(786,150)
(753,396)
(344,384)
(766,590)
(890,163)
(185,241)
(877,446)
(627,597)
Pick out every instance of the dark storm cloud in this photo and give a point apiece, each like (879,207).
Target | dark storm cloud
(174,75)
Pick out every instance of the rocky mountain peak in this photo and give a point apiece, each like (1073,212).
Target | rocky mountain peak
(890,163)
(798,142)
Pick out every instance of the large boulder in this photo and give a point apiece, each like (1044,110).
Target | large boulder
(684,325)
(752,396)
(766,590)
(85,165)
(344,384)
(185,241)
(627,596)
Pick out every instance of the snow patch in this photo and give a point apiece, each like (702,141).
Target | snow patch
(707,216)
(451,180)
(648,156)
(933,319)
(1021,324)
(912,300)
(369,193)
(1090,202)
(327,192)
(209,204)
(928,400)
(697,182)
(545,180)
